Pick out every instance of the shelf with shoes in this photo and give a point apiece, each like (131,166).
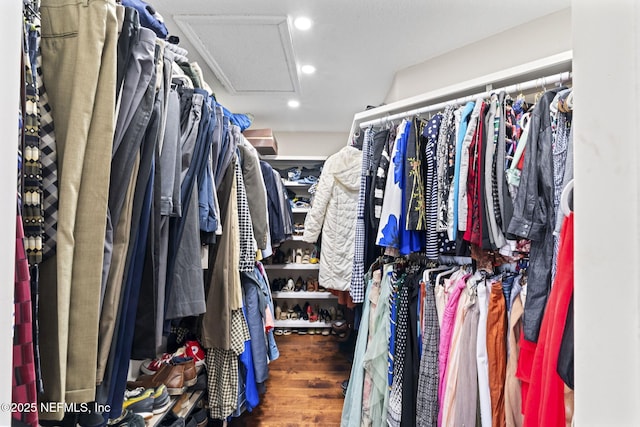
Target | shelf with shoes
(294,184)
(304,295)
(301,323)
(170,386)
(296,258)
(292,266)
(181,406)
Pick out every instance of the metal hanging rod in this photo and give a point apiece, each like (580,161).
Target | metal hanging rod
(531,84)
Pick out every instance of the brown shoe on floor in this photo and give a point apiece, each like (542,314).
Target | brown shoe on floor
(171,376)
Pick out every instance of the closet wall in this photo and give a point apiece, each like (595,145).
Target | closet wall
(310,143)
(10,19)
(606,67)
(536,39)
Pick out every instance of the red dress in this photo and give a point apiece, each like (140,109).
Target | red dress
(543,403)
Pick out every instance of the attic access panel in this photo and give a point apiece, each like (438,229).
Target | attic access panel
(248,54)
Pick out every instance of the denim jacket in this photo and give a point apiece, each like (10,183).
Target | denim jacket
(533,213)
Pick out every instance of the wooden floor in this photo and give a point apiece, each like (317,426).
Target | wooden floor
(304,385)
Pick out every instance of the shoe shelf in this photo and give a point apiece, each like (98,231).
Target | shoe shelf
(295,184)
(296,159)
(300,210)
(181,406)
(300,323)
(303,295)
(292,266)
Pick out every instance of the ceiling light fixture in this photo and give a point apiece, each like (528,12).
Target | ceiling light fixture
(308,69)
(303,23)
(293,103)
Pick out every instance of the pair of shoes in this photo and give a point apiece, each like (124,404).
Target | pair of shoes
(313,314)
(306,256)
(286,332)
(326,332)
(289,286)
(298,229)
(315,255)
(198,418)
(128,419)
(299,285)
(278,256)
(278,332)
(147,402)
(298,257)
(312,284)
(278,284)
(190,349)
(324,316)
(177,375)
(342,330)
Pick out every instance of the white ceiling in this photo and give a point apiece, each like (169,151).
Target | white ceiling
(356,46)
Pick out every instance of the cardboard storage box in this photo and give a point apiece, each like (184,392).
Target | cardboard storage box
(263,140)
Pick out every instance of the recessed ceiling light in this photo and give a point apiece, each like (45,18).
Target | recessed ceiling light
(302,23)
(308,69)
(293,103)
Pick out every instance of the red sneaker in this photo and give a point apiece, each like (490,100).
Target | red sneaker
(195,351)
(150,367)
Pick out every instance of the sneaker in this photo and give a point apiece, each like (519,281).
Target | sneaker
(140,401)
(150,367)
(128,419)
(161,399)
(195,351)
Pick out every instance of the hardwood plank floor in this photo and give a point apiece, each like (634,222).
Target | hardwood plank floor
(304,385)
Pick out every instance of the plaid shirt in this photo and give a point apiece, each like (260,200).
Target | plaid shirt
(357,274)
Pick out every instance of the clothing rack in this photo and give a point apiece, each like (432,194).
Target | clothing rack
(531,84)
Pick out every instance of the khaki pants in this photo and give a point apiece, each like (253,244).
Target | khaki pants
(79,39)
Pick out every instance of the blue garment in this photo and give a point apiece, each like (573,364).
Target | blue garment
(147,17)
(272,350)
(464,121)
(254,317)
(241,120)
(207,210)
(507,285)
(129,305)
(410,240)
(393,302)
(248,396)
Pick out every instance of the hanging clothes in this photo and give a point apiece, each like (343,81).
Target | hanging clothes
(334,213)
(545,398)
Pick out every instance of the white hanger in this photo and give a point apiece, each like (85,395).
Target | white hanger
(425,274)
(564,198)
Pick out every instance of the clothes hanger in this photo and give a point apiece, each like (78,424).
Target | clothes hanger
(564,198)
(426,272)
(445,273)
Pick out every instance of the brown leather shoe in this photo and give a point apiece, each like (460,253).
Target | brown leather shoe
(171,376)
(190,373)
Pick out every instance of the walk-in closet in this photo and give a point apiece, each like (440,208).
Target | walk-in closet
(303,213)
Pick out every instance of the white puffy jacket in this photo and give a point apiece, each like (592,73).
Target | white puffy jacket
(334,211)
